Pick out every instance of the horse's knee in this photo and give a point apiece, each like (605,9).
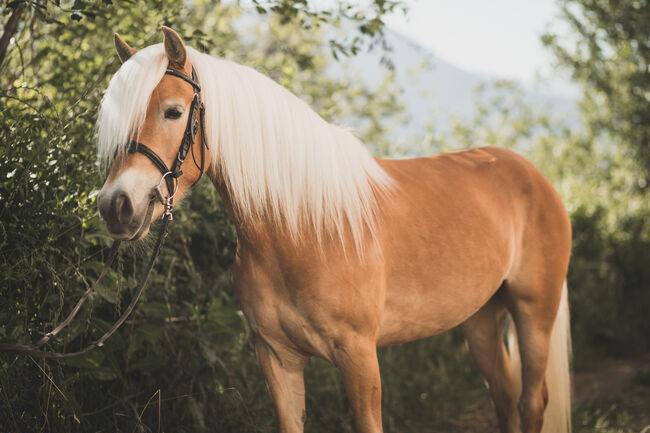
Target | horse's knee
(531,410)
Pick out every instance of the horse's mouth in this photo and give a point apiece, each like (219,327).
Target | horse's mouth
(146,222)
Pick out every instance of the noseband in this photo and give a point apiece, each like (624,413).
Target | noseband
(171,174)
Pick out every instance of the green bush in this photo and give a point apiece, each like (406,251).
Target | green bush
(608,280)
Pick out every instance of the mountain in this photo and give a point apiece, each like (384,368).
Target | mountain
(434,90)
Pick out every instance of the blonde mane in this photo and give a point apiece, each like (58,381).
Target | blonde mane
(278,158)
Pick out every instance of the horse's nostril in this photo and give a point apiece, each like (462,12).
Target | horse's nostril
(123,208)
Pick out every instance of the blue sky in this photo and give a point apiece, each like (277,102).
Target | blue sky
(496,37)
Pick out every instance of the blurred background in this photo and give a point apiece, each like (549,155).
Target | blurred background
(565,83)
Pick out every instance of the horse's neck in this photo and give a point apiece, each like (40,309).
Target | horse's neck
(253,232)
(220,185)
(261,235)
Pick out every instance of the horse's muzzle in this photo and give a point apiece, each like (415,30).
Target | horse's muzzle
(124,219)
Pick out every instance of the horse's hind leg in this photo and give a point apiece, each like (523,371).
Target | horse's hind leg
(533,303)
(484,333)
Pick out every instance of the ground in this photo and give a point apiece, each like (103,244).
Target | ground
(612,399)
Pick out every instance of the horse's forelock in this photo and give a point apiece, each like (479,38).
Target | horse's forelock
(124,105)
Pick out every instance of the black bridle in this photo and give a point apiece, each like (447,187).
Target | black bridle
(170,175)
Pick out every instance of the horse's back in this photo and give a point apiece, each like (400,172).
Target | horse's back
(489,187)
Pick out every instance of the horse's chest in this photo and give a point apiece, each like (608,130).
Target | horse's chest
(277,313)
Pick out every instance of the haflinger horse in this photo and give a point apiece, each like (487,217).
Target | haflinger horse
(338,252)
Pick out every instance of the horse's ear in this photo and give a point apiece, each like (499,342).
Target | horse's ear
(124,51)
(174,48)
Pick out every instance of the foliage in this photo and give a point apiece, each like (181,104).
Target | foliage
(613,416)
(607,49)
(307,15)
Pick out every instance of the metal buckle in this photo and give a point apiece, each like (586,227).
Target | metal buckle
(167,202)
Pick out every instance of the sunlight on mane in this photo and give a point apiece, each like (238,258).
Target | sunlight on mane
(278,158)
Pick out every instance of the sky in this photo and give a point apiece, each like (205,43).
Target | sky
(495,37)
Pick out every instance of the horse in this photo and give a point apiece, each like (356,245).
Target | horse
(338,252)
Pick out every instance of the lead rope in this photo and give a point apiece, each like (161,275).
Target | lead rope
(35,349)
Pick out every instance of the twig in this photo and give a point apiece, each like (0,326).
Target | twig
(57,388)
(157,393)
(50,379)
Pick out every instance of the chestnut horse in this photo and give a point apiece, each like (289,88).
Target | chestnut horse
(338,252)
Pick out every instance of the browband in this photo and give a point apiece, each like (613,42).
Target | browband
(182,76)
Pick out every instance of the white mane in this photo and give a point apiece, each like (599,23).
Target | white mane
(277,157)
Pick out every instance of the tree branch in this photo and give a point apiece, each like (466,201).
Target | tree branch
(10,30)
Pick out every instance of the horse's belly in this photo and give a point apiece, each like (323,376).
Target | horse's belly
(442,280)
(419,309)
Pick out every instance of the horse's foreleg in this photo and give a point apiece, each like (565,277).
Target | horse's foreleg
(484,337)
(283,371)
(356,358)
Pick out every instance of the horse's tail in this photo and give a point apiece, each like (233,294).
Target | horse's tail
(557,417)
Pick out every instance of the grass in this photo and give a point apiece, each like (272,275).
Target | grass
(613,416)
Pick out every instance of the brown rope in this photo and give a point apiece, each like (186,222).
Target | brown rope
(35,349)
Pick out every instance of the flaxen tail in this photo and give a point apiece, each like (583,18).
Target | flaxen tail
(557,417)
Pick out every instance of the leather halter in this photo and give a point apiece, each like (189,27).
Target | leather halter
(171,174)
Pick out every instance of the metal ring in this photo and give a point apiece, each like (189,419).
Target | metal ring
(163,178)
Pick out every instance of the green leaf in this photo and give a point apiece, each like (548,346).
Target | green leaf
(148,364)
(89,360)
(155,310)
(107,291)
(103,373)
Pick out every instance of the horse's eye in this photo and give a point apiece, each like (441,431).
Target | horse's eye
(172,113)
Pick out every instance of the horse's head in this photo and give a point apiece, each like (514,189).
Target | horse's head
(128,201)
